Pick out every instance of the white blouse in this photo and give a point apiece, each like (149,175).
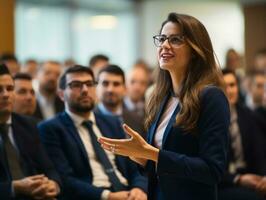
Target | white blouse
(168,112)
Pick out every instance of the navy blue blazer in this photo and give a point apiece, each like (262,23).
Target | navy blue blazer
(32,152)
(191,164)
(68,153)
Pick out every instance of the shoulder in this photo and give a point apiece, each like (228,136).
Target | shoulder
(213,95)
(105,122)
(55,121)
(211,91)
(23,120)
(105,119)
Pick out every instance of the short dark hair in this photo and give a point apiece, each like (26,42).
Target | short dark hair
(97,57)
(8,56)
(113,69)
(4,69)
(22,76)
(71,70)
(260,52)
(228,71)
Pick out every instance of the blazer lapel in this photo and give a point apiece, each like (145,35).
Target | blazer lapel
(72,130)
(170,124)
(154,125)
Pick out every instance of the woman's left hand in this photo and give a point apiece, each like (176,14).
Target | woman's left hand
(135,146)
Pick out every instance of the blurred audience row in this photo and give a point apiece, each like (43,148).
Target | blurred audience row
(122,95)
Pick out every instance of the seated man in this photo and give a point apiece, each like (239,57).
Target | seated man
(24,98)
(88,171)
(25,170)
(111,90)
(246,156)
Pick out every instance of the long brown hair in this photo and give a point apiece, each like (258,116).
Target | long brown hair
(202,71)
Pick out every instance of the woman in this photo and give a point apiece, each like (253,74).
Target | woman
(188,117)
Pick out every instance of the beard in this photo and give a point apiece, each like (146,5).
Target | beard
(110,100)
(50,87)
(77,107)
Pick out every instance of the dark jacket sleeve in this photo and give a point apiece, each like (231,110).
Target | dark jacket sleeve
(208,167)
(5,190)
(73,185)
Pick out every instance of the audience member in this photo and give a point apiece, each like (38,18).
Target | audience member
(246,157)
(111,90)
(25,170)
(260,60)
(48,102)
(136,84)
(30,67)
(24,95)
(98,62)
(11,62)
(71,141)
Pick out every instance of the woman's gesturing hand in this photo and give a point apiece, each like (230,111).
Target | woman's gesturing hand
(135,146)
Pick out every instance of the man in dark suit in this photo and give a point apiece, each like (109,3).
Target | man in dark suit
(246,157)
(88,171)
(48,102)
(25,170)
(111,91)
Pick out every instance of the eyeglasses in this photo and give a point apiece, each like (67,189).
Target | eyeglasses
(174,40)
(78,85)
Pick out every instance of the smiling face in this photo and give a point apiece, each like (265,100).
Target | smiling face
(173,58)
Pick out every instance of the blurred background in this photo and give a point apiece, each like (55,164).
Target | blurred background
(123,29)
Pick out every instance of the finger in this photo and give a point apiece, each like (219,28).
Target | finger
(109,141)
(131,132)
(35,177)
(39,192)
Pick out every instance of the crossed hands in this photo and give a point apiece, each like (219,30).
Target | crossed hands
(136,148)
(38,187)
(133,194)
(253,181)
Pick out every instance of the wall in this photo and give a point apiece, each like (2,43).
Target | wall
(7,26)
(223,20)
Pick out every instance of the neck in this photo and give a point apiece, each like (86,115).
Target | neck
(113,109)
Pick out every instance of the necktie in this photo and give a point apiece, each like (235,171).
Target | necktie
(102,157)
(236,145)
(11,154)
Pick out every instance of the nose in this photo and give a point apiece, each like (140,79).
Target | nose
(5,92)
(166,43)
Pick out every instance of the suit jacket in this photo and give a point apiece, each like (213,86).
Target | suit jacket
(253,143)
(133,120)
(68,153)
(59,107)
(191,164)
(34,157)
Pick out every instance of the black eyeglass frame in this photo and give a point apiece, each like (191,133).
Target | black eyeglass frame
(80,84)
(181,40)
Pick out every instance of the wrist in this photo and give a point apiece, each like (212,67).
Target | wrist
(151,153)
(17,187)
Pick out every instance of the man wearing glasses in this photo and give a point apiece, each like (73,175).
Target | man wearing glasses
(88,171)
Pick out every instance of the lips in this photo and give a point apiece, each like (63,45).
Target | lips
(166,55)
